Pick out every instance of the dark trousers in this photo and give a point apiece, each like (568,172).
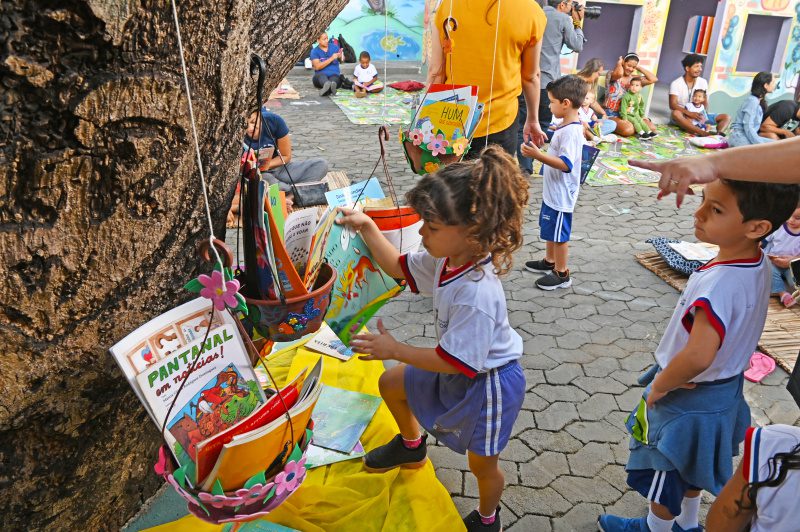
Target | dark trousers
(545,117)
(319,80)
(506,139)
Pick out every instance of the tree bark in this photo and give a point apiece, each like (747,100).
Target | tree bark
(100,209)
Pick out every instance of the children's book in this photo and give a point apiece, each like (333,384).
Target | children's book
(221,390)
(347,196)
(320,456)
(163,335)
(326,342)
(361,287)
(341,416)
(588,156)
(318,242)
(699,251)
(447,110)
(297,236)
(277,201)
(290,282)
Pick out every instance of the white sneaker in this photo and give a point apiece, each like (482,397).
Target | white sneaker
(609,138)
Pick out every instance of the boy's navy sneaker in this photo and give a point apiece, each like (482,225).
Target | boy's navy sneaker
(539,265)
(474,524)
(395,454)
(676,528)
(643,136)
(554,280)
(652,134)
(614,523)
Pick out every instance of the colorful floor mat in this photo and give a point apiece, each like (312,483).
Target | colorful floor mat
(390,106)
(613,169)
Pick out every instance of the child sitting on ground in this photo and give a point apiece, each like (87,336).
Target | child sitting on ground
(697,105)
(561,166)
(365,76)
(783,246)
(632,109)
(693,416)
(588,118)
(468,390)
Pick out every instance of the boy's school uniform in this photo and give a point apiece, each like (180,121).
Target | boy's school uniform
(560,188)
(783,242)
(364,75)
(475,408)
(775,506)
(696,432)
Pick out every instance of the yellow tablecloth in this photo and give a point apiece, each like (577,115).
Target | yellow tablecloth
(343,496)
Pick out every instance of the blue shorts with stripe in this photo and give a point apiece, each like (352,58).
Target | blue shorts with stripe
(466,414)
(666,488)
(554,226)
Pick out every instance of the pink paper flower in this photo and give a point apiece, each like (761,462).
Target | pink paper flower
(415,136)
(438,145)
(291,477)
(255,494)
(218,290)
(219,501)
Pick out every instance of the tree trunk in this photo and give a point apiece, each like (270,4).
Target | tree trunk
(100,209)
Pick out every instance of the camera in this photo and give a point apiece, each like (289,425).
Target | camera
(588,12)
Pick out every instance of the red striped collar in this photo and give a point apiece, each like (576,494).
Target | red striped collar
(446,276)
(738,263)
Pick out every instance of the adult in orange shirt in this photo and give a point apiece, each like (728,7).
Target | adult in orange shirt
(498,54)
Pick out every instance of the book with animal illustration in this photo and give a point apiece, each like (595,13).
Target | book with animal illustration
(163,335)
(361,287)
(221,390)
(447,110)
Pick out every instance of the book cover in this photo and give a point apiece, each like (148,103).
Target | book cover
(707,40)
(277,201)
(163,335)
(208,450)
(220,391)
(289,280)
(347,196)
(318,242)
(320,456)
(298,232)
(361,287)
(701,35)
(695,32)
(326,342)
(341,416)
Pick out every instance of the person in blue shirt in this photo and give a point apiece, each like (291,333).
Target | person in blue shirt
(744,129)
(325,59)
(267,129)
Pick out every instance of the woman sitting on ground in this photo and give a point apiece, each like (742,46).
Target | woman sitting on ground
(617,83)
(325,59)
(744,129)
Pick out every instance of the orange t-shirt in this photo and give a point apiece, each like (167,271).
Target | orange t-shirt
(522,24)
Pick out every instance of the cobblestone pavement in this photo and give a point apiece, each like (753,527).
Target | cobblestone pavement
(584,346)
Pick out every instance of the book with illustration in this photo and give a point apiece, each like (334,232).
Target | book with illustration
(341,416)
(449,110)
(361,287)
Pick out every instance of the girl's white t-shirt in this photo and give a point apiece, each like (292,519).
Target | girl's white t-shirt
(364,75)
(783,242)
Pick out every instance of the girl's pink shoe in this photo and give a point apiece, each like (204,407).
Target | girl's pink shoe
(787,300)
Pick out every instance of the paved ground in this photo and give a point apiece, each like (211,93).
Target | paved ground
(584,346)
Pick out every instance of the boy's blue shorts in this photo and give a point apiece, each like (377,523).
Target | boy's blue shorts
(666,488)
(554,226)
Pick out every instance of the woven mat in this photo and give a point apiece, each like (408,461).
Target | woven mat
(781,336)
(613,168)
(372,110)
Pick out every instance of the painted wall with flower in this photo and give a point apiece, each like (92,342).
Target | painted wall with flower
(363,25)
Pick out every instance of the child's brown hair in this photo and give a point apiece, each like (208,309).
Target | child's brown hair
(487,195)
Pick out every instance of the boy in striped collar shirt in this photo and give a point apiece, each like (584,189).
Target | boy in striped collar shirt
(693,416)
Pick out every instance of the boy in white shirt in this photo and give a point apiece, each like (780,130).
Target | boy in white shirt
(365,76)
(562,180)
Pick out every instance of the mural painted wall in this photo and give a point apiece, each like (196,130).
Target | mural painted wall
(362,24)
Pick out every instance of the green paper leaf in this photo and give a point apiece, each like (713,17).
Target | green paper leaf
(242,305)
(193,286)
(228,273)
(309,434)
(217,489)
(202,506)
(258,478)
(296,455)
(270,494)
(180,476)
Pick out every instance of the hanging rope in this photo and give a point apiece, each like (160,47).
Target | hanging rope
(491,82)
(194,136)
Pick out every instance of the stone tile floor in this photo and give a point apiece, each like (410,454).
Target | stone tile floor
(584,346)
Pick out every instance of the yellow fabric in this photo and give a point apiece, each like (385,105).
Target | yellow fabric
(344,496)
(522,24)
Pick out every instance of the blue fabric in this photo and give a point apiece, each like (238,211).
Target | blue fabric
(567,162)
(467,414)
(666,488)
(554,226)
(782,280)
(318,53)
(607,126)
(674,260)
(744,129)
(695,432)
(276,124)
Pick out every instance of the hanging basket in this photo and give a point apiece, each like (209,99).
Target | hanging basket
(420,155)
(258,497)
(295,317)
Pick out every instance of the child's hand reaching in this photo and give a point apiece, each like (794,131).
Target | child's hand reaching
(355,220)
(381,346)
(530,150)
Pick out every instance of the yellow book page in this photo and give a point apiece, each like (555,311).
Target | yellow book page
(446,117)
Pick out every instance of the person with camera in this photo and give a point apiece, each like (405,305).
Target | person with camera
(564,27)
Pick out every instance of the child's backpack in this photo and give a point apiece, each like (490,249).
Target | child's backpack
(349,52)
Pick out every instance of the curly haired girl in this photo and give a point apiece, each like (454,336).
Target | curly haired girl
(468,390)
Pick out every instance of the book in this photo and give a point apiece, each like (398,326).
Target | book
(707,40)
(320,456)
(264,449)
(326,342)
(699,251)
(341,416)
(163,335)
(588,156)
(297,236)
(361,287)
(277,201)
(221,390)
(701,35)
(347,196)
(448,110)
(289,281)
(318,242)
(208,450)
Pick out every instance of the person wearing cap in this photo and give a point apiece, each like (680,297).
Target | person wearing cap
(617,83)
